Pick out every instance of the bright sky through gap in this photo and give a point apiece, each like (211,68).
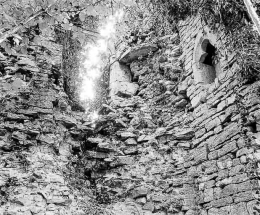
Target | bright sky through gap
(92,53)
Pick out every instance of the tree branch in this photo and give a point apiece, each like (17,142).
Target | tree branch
(253,14)
(20,26)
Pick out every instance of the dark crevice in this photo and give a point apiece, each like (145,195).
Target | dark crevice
(210,53)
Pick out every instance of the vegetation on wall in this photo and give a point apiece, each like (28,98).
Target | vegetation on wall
(151,18)
(40,23)
(32,21)
(242,37)
(234,19)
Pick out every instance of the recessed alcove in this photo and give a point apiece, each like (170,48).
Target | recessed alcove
(210,51)
(205,69)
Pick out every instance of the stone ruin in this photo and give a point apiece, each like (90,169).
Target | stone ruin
(179,136)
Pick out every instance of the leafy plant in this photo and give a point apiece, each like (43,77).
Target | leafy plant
(80,17)
(238,28)
(234,19)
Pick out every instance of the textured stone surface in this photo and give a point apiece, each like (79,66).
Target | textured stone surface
(137,52)
(172,147)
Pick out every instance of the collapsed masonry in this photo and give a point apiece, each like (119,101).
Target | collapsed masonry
(173,140)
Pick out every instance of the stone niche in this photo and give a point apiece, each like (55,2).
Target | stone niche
(205,69)
(120,82)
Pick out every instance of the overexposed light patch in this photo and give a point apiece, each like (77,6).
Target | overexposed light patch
(92,54)
(88,89)
(94,116)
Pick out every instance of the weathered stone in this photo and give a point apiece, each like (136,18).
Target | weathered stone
(218,211)
(126,89)
(122,160)
(26,61)
(19,136)
(126,135)
(181,104)
(201,154)
(150,207)
(140,192)
(137,142)
(197,100)
(185,134)
(220,202)
(144,138)
(104,147)
(130,150)
(200,133)
(239,209)
(59,201)
(95,140)
(97,155)
(162,59)
(183,87)
(209,195)
(184,145)
(131,142)
(251,206)
(244,151)
(212,124)
(128,208)
(227,133)
(228,147)
(134,53)
(66,120)
(244,196)
(4,145)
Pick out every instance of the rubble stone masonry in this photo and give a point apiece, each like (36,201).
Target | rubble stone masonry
(170,142)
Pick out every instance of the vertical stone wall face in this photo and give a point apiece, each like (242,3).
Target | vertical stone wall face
(165,145)
(37,133)
(225,115)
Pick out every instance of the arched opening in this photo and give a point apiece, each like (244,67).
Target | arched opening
(206,61)
(205,67)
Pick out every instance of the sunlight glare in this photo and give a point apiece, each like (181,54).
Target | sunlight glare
(92,54)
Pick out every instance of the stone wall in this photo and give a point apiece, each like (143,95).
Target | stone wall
(38,134)
(171,145)
(187,147)
(222,156)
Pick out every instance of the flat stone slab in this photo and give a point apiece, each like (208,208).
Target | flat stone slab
(134,53)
